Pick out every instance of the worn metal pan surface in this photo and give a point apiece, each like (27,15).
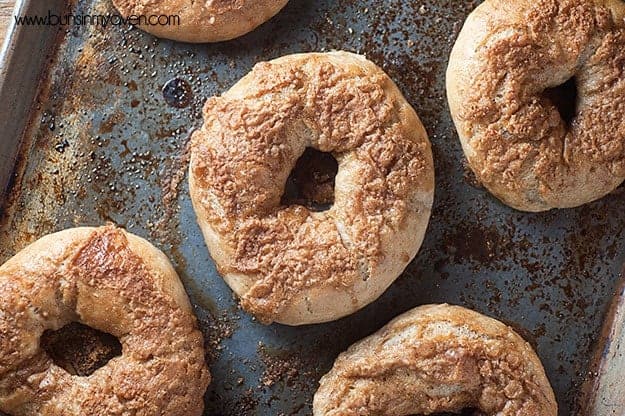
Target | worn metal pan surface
(95,141)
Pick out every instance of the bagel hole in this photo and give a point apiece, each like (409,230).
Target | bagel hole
(564,97)
(79,349)
(311,182)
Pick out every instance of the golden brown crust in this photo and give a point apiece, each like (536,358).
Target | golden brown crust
(204,20)
(288,264)
(516,142)
(113,282)
(435,359)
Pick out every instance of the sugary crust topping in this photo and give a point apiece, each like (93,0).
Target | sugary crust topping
(516,140)
(99,281)
(294,252)
(252,138)
(437,359)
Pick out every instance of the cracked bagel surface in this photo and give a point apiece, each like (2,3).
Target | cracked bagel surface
(286,263)
(437,359)
(515,134)
(113,282)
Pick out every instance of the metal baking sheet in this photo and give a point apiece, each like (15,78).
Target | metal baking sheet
(100,143)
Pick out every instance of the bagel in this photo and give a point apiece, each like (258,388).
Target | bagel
(116,283)
(509,57)
(437,359)
(286,263)
(199,21)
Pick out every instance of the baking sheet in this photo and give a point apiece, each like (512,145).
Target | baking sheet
(102,144)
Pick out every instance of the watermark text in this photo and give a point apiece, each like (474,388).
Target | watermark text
(103,20)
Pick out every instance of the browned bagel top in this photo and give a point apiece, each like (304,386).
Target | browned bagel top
(436,359)
(507,58)
(113,282)
(252,136)
(199,20)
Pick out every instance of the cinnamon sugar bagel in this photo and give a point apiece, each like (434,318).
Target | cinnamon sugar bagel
(504,67)
(114,282)
(437,359)
(199,21)
(287,263)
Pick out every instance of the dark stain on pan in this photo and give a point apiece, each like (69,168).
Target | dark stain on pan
(125,155)
(177,93)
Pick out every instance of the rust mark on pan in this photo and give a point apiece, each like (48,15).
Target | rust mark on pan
(10,200)
(111,121)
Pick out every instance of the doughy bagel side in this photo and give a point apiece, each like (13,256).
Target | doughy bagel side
(202,21)
(288,264)
(114,282)
(435,359)
(517,143)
